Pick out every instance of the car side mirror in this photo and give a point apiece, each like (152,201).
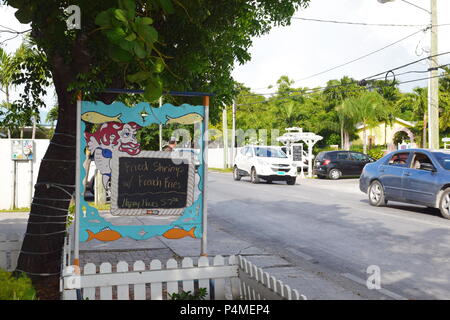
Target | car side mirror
(427,167)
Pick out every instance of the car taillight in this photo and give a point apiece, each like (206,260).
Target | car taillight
(325,162)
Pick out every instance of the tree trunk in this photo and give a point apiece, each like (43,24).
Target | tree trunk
(365,138)
(7,103)
(424,132)
(385,132)
(41,252)
(346,141)
(33,134)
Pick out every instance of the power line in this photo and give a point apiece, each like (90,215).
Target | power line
(408,64)
(372,78)
(368,24)
(362,57)
(315,90)
(359,58)
(360,23)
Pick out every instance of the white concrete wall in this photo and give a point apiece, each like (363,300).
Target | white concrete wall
(216,157)
(24,185)
(26,174)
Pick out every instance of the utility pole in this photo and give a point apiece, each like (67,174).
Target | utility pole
(433,82)
(225,137)
(233,134)
(433,96)
(160,127)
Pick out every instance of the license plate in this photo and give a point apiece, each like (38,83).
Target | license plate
(281,173)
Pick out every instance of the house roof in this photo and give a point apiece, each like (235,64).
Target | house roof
(406,123)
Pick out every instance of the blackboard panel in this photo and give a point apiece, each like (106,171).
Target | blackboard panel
(297,153)
(152,183)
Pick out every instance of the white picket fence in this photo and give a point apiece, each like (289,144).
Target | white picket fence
(238,276)
(233,278)
(10,245)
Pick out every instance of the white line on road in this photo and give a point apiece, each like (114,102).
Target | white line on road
(301,254)
(382,290)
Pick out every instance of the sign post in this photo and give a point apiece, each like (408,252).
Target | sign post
(205,174)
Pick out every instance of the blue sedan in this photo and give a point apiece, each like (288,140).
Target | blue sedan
(417,176)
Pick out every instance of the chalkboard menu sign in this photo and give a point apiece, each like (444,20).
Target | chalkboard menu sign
(153,182)
(297,151)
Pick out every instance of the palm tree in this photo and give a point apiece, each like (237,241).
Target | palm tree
(367,109)
(335,95)
(418,102)
(6,76)
(347,125)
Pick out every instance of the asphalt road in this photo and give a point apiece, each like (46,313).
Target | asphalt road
(328,226)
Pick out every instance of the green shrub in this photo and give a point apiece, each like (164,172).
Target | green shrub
(200,294)
(376,153)
(12,288)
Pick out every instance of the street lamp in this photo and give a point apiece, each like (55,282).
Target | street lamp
(433,82)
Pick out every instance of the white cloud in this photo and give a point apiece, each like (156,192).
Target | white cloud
(305,48)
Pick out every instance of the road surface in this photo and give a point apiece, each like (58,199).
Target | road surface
(328,227)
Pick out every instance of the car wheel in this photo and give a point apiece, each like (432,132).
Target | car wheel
(334,174)
(254,176)
(376,194)
(291,181)
(236,175)
(269,181)
(444,204)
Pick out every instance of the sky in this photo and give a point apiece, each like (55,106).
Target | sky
(305,48)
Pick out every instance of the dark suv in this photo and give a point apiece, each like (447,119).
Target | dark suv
(336,164)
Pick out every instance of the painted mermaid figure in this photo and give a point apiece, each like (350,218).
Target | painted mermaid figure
(112,137)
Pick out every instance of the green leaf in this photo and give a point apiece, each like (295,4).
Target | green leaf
(148,33)
(16,3)
(128,5)
(158,66)
(116,35)
(131,37)
(119,55)
(153,89)
(24,15)
(139,76)
(127,45)
(166,5)
(121,15)
(139,49)
(146,20)
(103,19)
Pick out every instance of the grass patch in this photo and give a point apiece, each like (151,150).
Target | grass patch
(102,207)
(221,169)
(16,210)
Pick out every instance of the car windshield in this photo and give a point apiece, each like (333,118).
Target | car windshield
(443,158)
(269,152)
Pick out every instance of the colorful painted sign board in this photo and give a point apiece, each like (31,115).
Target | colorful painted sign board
(22,149)
(141,182)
